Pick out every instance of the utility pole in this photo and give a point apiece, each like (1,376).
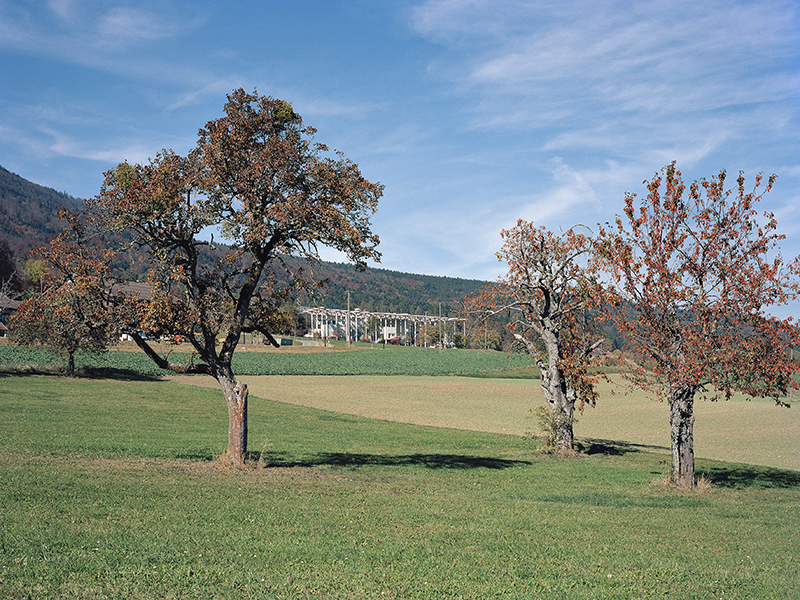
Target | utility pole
(441,341)
(348,317)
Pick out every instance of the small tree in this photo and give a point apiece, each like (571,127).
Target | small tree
(548,295)
(35,270)
(695,271)
(257,177)
(72,310)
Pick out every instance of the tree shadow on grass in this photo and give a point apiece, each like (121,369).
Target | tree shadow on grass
(723,475)
(199,456)
(83,373)
(346,459)
(611,447)
(740,476)
(117,374)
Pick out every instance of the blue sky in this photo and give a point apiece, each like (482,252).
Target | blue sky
(472,113)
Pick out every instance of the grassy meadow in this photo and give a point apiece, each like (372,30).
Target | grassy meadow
(110,488)
(360,359)
(738,430)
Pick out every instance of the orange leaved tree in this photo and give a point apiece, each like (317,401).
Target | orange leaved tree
(695,270)
(257,178)
(72,309)
(550,300)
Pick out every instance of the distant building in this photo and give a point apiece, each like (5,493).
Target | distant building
(8,307)
(357,324)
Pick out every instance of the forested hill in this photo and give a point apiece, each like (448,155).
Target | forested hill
(391,291)
(29,218)
(29,212)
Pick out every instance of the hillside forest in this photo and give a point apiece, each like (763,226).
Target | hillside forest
(29,218)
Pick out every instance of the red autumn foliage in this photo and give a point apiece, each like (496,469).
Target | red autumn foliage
(696,270)
(73,310)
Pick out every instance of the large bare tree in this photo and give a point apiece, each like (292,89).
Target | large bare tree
(550,299)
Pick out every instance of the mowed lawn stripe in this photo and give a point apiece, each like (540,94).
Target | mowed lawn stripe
(739,430)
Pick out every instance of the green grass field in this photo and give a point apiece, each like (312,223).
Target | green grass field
(739,430)
(110,489)
(362,359)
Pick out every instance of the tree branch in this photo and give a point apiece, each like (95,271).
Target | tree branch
(163,363)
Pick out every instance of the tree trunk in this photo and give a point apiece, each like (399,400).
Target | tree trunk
(71,364)
(681,405)
(236,397)
(561,402)
(559,396)
(565,437)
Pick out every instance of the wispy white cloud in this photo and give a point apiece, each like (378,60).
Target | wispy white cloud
(609,92)
(66,10)
(96,35)
(327,107)
(467,23)
(214,90)
(121,26)
(547,64)
(138,149)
